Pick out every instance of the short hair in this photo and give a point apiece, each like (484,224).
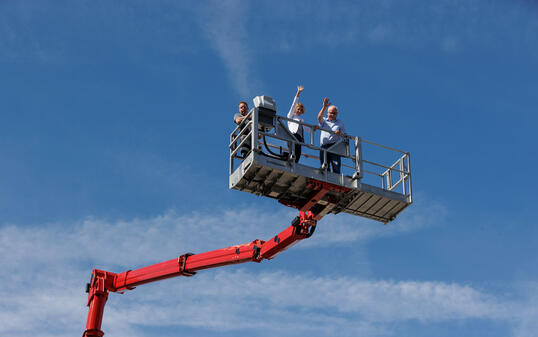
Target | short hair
(333,106)
(243,102)
(300,105)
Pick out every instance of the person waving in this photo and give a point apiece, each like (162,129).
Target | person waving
(296,110)
(327,139)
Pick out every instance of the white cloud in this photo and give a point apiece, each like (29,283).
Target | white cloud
(44,269)
(224,23)
(143,241)
(528,318)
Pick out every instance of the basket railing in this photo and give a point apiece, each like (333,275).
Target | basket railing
(395,176)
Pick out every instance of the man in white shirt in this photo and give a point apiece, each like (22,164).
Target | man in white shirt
(329,139)
(296,110)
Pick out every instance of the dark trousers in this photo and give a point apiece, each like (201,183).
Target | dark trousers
(298,147)
(333,160)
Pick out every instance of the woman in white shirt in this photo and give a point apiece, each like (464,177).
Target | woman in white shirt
(296,110)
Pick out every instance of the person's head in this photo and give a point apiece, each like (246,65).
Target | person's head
(299,109)
(332,112)
(243,108)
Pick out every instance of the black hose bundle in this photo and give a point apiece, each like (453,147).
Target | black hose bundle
(283,156)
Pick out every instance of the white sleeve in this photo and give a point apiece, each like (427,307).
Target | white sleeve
(291,113)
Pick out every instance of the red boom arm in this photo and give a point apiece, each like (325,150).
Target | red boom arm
(102,282)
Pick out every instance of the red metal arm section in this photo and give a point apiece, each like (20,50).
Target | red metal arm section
(103,282)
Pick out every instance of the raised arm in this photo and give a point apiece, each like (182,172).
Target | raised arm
(300,88)
(326,103)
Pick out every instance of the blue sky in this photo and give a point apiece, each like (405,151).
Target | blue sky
(114,123)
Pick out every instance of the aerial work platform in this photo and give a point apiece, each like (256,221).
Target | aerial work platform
(262,162)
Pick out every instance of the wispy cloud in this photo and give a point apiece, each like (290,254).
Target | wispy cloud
(143,240)
(44,269)
(528,311)
(298,304)
(225,24)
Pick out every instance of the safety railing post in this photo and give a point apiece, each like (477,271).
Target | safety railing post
(359,156)
(402,174)
(356,174)
(409,190)
(231,155)
(254,130)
